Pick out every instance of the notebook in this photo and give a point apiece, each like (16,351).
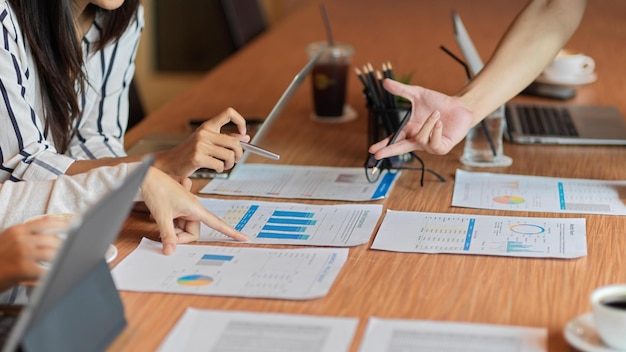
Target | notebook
(76,306)
(163,141)
(550,123)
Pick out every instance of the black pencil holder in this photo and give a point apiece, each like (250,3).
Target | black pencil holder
(383,122)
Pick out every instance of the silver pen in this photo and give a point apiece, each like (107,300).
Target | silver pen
(259,151)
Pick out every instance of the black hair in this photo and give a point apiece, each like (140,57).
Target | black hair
(49,29)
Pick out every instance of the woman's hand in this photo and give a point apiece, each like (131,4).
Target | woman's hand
(206,147)
(178,213)
(23,247)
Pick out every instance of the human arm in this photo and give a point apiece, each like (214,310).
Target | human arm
(178,213)
(530,43)
(24,246)
(206,147)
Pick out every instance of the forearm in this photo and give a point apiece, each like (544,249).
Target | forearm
(82,166)
(75,194)
(528,46)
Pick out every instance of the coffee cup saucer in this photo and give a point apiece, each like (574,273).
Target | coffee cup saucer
(349,114)
(581,334)
(577,80)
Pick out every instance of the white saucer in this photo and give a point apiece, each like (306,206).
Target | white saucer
(501,161)
(110,254)
(581,333)
(567,81)
(349,114)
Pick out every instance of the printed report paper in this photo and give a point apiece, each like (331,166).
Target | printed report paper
(213,330)
(230,271)
(404,231)
(535,193)
(294,224)
(302,182)
(421,335)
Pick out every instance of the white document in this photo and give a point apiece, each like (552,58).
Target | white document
(404,231)
(303,182)
(213,330)
(231,271)
(535,193)
(429,336)
(294,224)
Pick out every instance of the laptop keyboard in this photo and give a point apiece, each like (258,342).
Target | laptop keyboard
(546,121)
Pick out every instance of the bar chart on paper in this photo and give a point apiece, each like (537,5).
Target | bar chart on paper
(301,273)
(476,234)
(293,223)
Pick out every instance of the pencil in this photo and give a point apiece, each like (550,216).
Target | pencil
(259,151)
(393,139)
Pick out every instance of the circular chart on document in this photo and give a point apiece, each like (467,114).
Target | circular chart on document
(527,229)
(195,280)
(509,200)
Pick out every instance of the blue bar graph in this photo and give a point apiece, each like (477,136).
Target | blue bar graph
(288,225)
(293,214)
(561,196)
(287,236)
(291,221)
(246,217)
(284,228)
(468,234)
(217,257)
(518,247)
(214,259)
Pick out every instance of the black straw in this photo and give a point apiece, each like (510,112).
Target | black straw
(469,77)
(329,31)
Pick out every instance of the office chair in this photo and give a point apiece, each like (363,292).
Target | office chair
(228,24)
(136,111)
(245,20)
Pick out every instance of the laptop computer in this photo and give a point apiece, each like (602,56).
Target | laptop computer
(76,306)
(164,141)
(550,123)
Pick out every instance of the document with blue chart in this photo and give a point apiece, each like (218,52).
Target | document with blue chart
(302,273)
(483,190)
(406,231)
(302,182)
(294,223)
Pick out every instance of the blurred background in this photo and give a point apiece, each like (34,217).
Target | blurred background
(183,40)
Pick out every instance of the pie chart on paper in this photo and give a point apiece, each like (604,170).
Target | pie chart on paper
(510,200)
(195,280)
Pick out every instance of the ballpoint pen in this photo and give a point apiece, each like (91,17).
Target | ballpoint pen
(259,151)
(406,119)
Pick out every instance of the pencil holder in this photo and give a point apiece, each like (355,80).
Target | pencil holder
(383,122)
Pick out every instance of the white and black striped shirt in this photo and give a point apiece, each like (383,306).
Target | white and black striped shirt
(25,153)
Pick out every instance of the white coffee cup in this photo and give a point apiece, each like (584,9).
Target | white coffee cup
(65,217)
(608,304)
(570,64)
(60,232)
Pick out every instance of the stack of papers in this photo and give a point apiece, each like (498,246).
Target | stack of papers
(211,330)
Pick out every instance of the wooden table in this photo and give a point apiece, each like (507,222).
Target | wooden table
(462,288)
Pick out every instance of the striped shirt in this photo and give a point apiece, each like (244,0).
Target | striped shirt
(25,152)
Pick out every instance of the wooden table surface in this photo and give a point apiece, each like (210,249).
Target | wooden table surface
(462,288)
